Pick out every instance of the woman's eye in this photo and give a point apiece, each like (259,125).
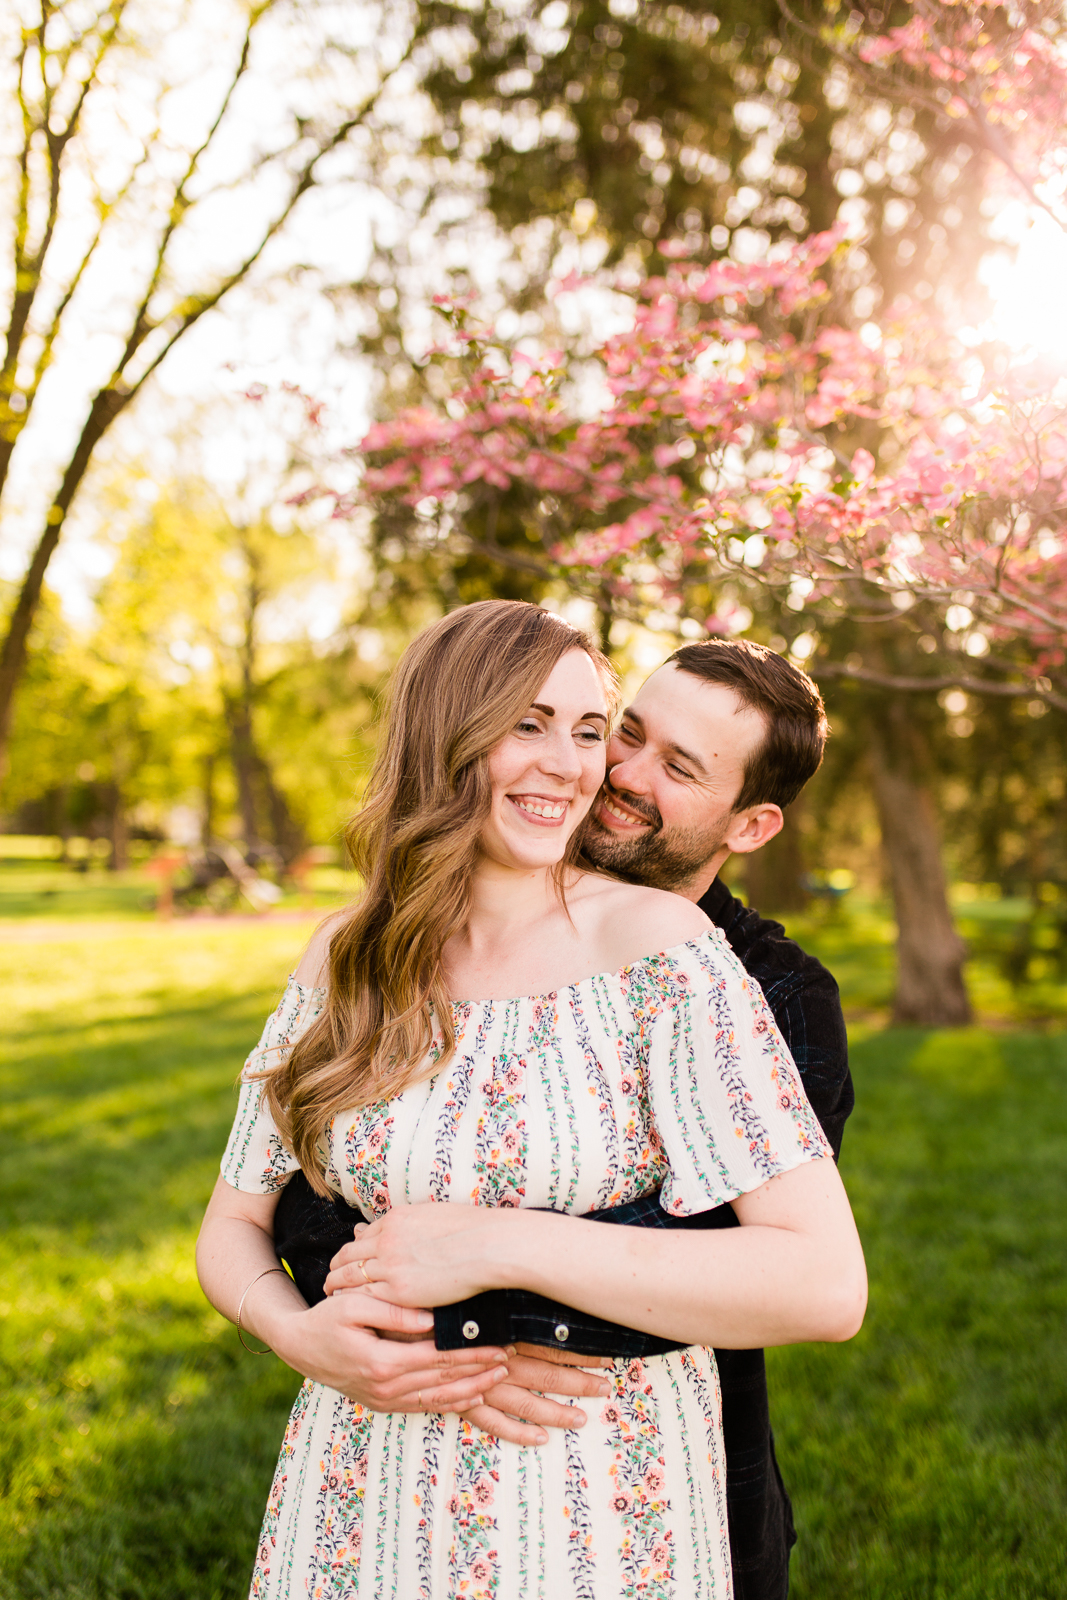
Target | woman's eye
(591,735)
(527,727)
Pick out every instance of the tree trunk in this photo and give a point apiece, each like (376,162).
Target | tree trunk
(287,833)
(605,618)
(245,764)
(107,404)
(773,875)
(930,953)
(120,832)
(207,824)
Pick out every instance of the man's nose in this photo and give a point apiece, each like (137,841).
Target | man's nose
(632,772)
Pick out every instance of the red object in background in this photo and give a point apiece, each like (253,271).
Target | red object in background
(165,867)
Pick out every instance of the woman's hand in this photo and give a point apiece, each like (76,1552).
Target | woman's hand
(431,1255)
(357,1343)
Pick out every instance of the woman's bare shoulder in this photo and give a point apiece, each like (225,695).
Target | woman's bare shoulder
(314,966)
(635,921)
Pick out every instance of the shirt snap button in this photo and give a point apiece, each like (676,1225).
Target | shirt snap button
(471,1330)
(563,1333)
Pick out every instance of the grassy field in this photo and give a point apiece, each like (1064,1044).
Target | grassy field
(927,1459)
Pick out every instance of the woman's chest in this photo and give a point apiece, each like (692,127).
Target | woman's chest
(544,1103)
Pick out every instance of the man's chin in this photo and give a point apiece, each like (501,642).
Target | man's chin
(649,858)
(615,852)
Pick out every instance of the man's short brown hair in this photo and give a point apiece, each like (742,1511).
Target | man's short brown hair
(790,703)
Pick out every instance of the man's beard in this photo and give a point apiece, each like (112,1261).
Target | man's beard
(660,859)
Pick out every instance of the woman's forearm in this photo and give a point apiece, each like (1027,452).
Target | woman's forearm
(792,1272)
(346,1342)
(737,1288)
(231,1255)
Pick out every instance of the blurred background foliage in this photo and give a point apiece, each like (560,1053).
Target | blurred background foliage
(197,715)
(215,689)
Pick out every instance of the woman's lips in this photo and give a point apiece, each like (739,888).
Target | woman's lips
(540,811)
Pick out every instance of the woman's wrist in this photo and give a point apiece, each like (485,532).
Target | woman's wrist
(513,1247)
(270,1315)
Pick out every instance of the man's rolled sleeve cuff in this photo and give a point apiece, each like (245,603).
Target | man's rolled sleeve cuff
(516,1316)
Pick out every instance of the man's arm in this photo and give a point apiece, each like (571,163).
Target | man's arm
(806,1004)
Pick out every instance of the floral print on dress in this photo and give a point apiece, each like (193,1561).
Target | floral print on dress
(500,1149)
(474,1559)
(366,1157)
(669,1071)
(339,1509)
(638,1483)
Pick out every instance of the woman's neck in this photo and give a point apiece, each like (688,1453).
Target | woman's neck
(506,899)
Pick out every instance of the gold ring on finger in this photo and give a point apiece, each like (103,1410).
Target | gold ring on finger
(420,1399)
(362,1265)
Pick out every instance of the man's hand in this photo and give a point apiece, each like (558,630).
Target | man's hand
(360,1345)
(518,1409)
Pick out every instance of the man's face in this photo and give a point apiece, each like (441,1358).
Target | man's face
(675,769)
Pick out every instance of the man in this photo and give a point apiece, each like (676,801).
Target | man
(716,743)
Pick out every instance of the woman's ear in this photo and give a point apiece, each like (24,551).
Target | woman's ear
(753,827)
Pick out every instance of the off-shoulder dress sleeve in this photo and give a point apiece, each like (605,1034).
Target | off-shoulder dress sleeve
(727,1100)
(256,1160)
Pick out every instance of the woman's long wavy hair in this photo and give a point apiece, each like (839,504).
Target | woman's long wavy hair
(458,690)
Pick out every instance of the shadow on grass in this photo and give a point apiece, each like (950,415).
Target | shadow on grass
(928,1458)
(108,1130)
(168,1508)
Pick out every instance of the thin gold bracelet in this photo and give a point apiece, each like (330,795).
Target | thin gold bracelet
(240,1334)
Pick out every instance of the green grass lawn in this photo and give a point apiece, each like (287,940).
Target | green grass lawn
(927,1459)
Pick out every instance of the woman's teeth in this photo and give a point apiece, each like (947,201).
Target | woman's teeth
(542,808)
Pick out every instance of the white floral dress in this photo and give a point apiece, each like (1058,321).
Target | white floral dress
(670,1072)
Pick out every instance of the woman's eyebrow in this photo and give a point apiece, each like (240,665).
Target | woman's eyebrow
(550,711)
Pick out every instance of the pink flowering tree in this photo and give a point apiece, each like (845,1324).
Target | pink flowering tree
(747,433)
(875,470)
(893,465)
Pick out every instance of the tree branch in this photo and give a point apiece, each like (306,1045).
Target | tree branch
(956,680)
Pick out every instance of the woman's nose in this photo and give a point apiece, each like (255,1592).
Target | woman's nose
(561,758)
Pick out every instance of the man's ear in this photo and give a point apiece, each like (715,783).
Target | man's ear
(752,828)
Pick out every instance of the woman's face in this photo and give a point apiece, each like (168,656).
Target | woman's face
(546,773)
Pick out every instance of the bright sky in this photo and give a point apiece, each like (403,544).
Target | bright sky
(1029,292)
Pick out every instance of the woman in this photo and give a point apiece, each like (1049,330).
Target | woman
(494,1027)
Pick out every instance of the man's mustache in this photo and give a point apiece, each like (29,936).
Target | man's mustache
(640,808)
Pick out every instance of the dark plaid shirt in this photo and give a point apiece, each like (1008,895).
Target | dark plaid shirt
(804,998)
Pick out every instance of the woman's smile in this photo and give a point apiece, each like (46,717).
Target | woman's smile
(544,811)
